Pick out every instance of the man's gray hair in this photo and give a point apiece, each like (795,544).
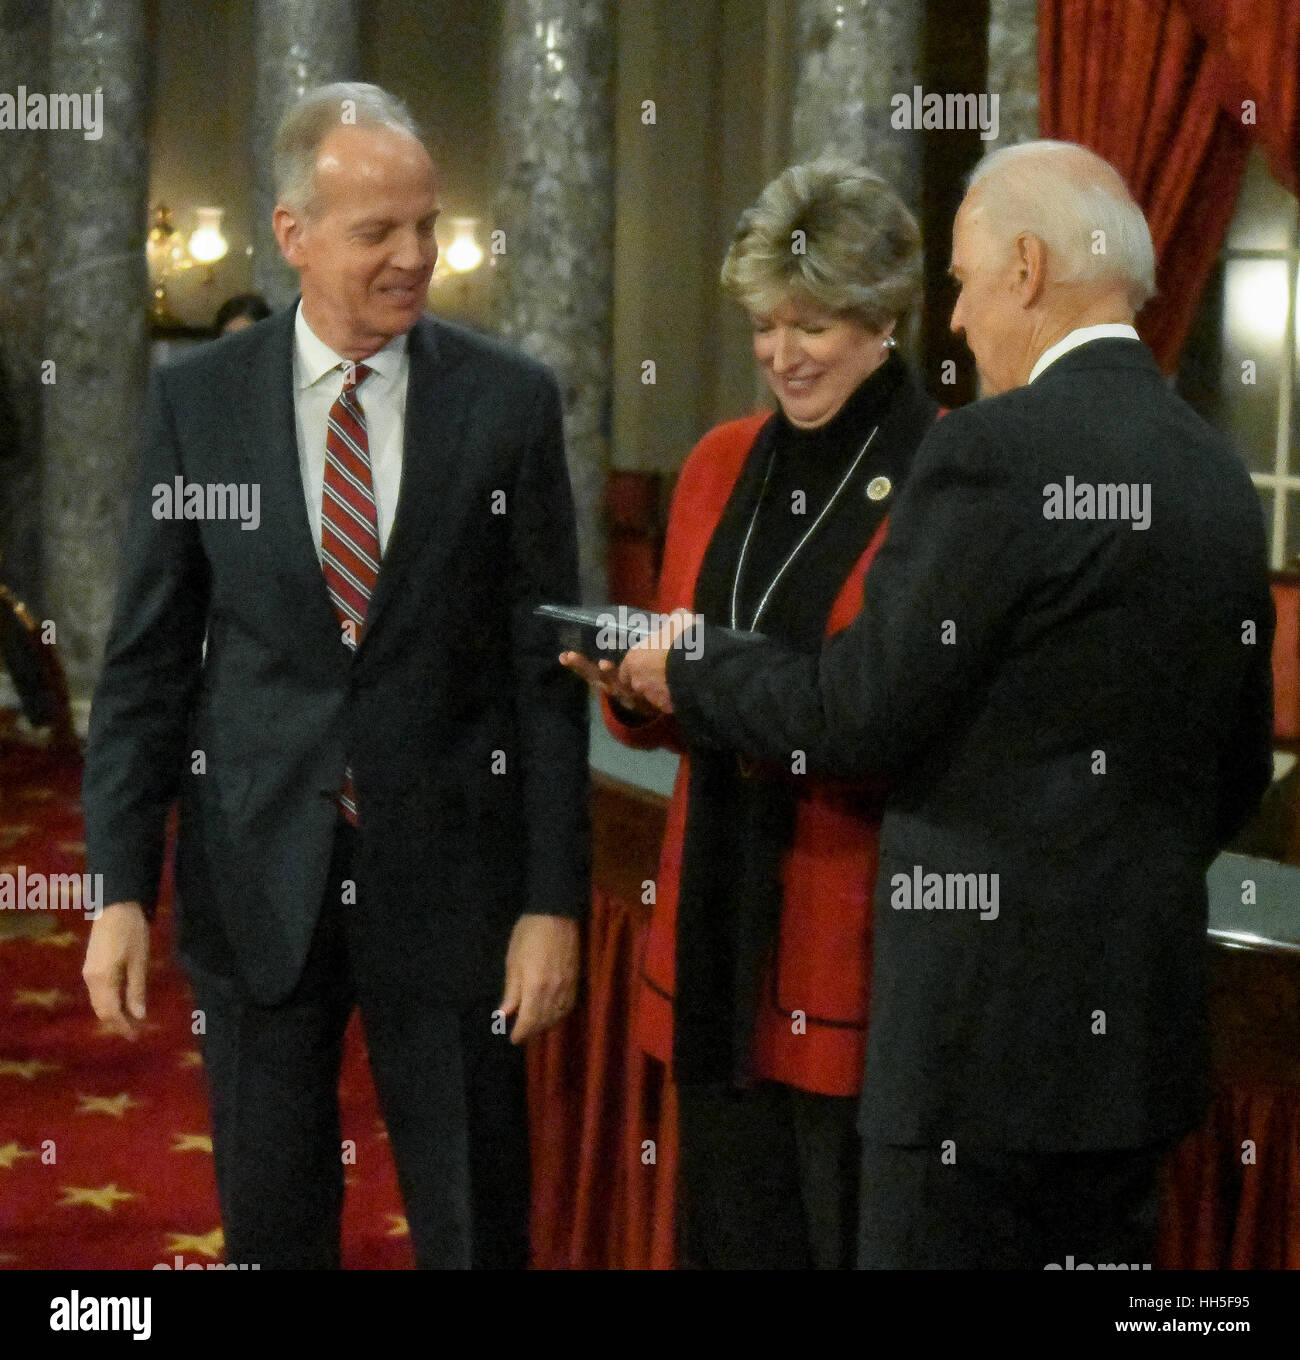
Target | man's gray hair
(833,233)
(1077,204)
(309,121)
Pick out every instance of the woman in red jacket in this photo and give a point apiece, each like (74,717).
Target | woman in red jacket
(759,953)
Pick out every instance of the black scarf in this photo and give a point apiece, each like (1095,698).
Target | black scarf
(738,826)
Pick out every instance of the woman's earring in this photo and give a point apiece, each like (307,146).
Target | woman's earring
(890,342)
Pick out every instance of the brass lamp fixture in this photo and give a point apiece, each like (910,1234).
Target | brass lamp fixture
(463,254)
(170,254)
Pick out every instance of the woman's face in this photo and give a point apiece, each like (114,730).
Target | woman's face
(813,360)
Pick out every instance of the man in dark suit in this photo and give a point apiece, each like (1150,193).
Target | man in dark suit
(1063,668)
(382,772)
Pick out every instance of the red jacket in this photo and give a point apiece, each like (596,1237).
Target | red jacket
(823,958)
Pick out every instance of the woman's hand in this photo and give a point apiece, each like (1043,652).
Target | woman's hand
(603,675)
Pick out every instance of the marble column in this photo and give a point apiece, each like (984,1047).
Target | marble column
(24,228)
(96,294)
(852,57)
(299,44)
(552,293)
(1013,68)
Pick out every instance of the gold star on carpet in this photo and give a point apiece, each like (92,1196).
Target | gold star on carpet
(10,1153)
(28,1071)
(191,1142)
(63,939)
(209,1244)
(6,1258)
(104,1198)
(117,1106)
(48,1000)
(36,795)
(397,1225)
(190,1058)
(73,847)
(10,835)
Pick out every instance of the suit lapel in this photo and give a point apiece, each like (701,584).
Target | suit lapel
(268,425)
(438,394)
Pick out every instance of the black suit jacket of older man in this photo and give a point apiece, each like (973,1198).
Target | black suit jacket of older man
(1077,706)
(467,742)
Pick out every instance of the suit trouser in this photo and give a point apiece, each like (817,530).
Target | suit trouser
(453,1097)
(768,1178)
(994,1210)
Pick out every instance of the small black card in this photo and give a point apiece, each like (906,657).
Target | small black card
(610,631)
(606,632)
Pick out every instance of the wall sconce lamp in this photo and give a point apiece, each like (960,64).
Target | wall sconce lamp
(169,255)
(207,244)
(463,254)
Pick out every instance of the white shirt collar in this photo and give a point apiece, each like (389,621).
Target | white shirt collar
(1081,336)
(316,359)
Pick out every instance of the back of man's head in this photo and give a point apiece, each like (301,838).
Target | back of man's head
(1078,205)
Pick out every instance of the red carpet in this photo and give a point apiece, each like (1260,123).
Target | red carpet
(105,1157)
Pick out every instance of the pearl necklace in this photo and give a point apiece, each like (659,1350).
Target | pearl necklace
(812,529)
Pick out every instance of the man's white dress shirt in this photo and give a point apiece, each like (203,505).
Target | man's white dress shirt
(317,382)
(1081,336)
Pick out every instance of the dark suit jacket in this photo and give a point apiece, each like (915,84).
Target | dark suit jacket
(1069,704)
(453,679)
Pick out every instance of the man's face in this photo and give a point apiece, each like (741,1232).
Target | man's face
(366,255)
(988,308)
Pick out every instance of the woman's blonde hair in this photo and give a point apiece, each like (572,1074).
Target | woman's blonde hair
(834,233)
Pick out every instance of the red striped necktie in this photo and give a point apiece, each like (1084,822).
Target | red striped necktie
(349,526)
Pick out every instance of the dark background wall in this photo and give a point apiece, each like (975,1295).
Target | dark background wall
(440,58)
(722,75)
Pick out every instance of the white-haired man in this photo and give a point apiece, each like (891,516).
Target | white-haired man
(1062,667)
(381,771)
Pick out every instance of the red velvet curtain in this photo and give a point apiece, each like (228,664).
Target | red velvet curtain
(1260,40)
(1136,82)
(1231,1200)
(1232,1193)
(634,537)
(604,1121)
(1286,657)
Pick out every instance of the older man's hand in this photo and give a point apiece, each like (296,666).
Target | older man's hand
(117,967)
(645,667)
(542,964)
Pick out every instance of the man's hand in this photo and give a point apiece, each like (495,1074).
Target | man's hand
(604,675)
(118,951)
(541,974)
(645,668)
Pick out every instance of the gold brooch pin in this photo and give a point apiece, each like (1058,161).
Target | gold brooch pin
(878,488)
